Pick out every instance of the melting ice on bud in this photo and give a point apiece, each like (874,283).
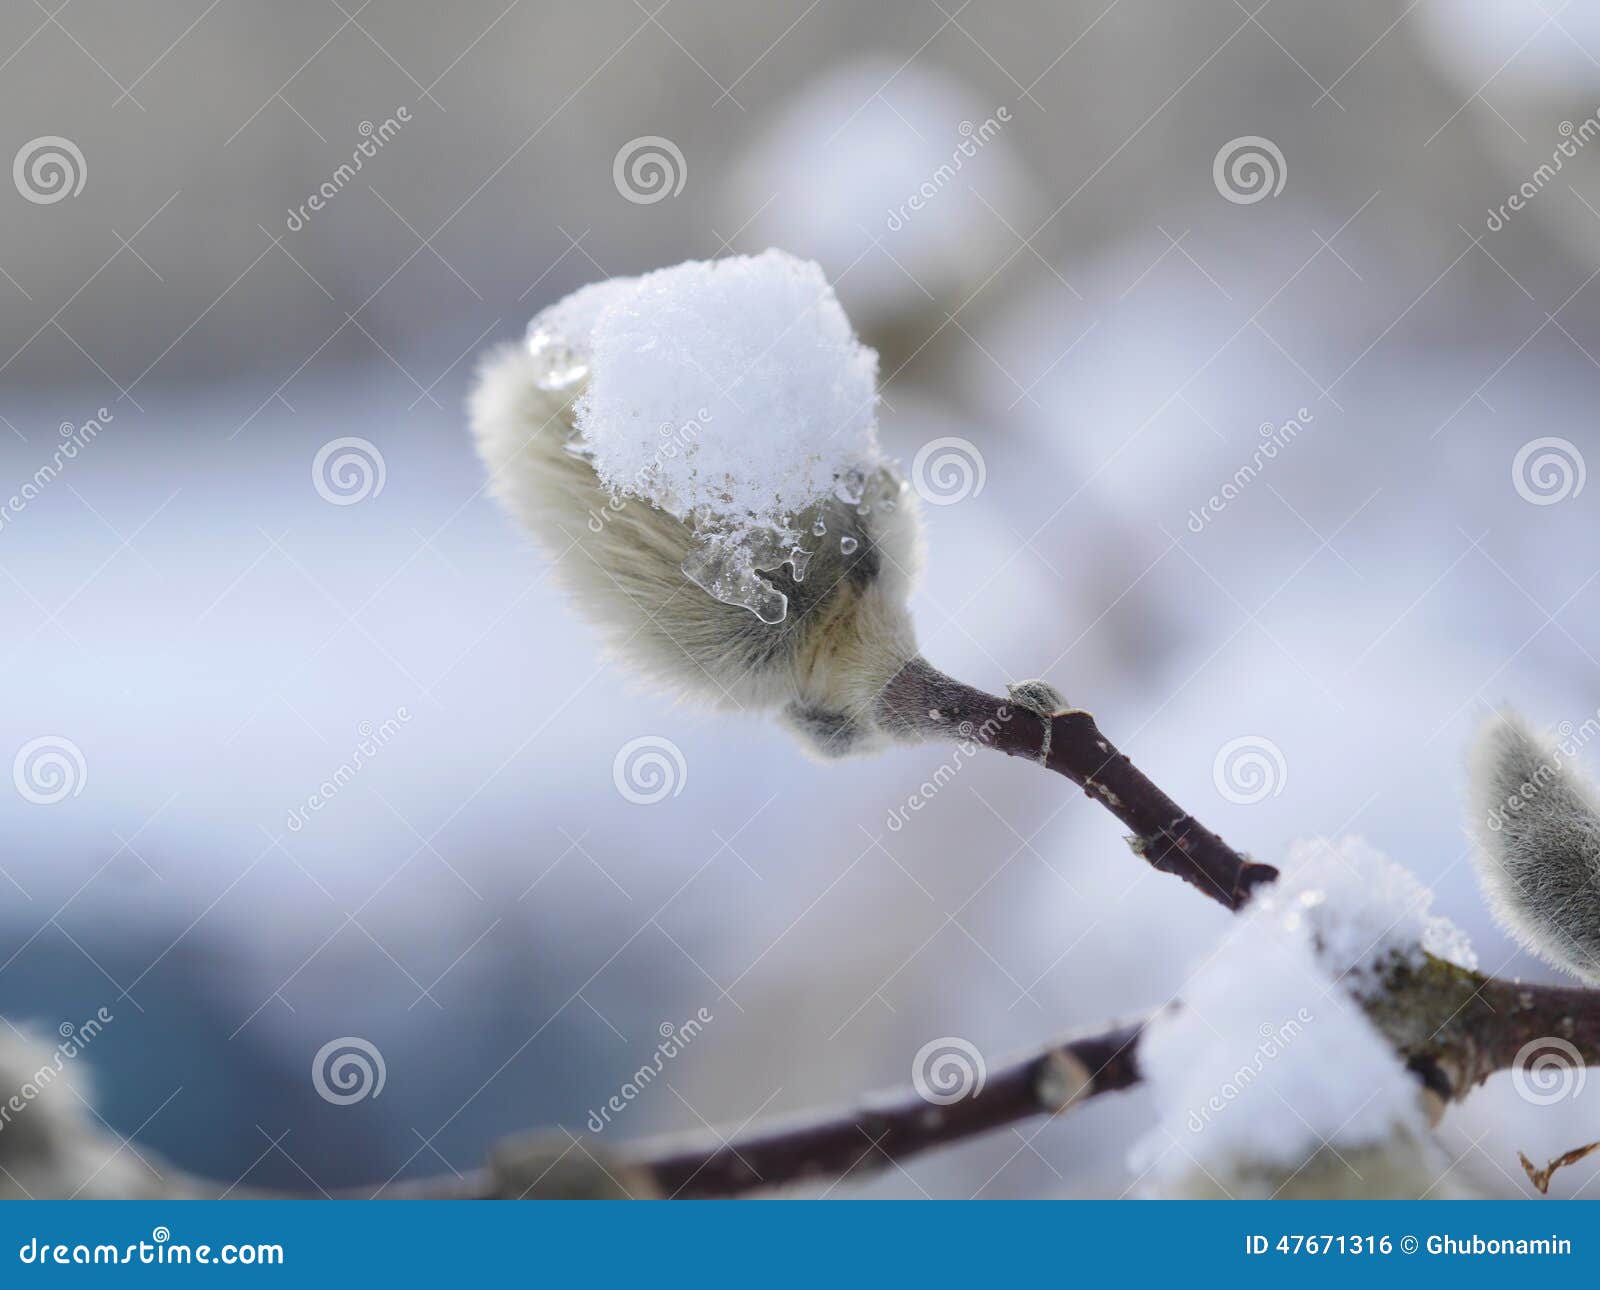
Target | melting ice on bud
(714,424)
(1537,825)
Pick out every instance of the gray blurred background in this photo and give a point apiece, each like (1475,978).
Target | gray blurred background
(1101,318)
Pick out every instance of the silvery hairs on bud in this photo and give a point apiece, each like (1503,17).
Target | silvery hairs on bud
(1537,825)
(846,631)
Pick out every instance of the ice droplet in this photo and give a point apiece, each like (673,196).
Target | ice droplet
(560,365)
(848,544)
(850,485)
(820,528)
(799,561)
(728,573)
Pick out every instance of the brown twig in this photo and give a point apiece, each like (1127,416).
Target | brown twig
(922,701)
(881,1129)
(893,1127)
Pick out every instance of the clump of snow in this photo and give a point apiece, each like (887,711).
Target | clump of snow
(571,319)
(748,367)
(1270,1056)
(1364,912)
(732,394)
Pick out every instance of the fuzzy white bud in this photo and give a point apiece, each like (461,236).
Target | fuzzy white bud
(1537,825)
(815,627)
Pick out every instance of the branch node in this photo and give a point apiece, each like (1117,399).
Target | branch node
(1042,699)
(544,1166)
(1061,1080)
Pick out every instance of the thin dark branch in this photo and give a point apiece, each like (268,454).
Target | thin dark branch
(922,701)
(881,1129)
(893,1127)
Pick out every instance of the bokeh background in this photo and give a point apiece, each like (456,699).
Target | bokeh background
(1105,321)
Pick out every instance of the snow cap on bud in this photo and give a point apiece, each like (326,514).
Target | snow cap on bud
(697,449)
(1537,824)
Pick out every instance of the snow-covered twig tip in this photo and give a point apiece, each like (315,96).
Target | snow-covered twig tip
(1537,825)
